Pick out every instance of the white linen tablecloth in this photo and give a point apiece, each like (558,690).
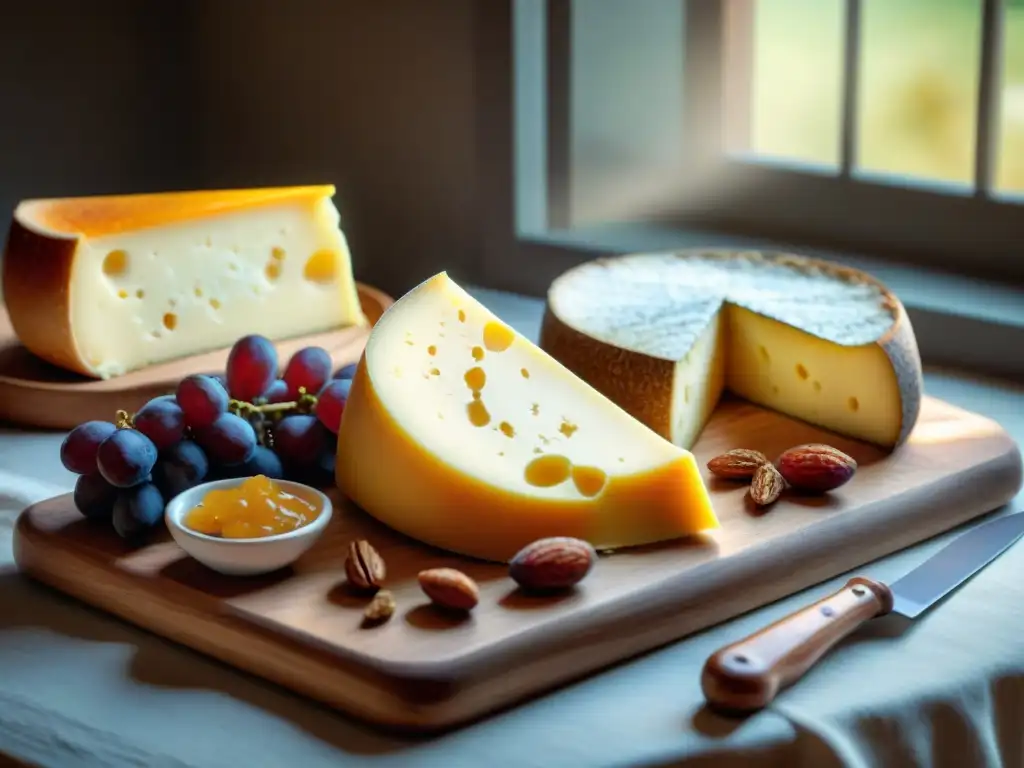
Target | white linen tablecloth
(16,493)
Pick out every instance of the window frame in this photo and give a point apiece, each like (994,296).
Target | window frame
(523,131)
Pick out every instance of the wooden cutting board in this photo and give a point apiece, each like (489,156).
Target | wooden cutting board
(37,394)
(425,670)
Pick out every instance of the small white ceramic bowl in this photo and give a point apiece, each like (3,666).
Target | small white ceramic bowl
(245,557)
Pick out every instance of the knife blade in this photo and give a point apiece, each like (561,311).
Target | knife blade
(747,675)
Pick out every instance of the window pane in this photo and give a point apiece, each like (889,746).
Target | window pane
(919,88)
(797,75)
(1010,158)
(626,118)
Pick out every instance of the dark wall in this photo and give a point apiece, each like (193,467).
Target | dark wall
(121,96)
(91,99)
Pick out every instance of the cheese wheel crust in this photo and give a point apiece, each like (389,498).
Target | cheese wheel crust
(36,275)
(641,380)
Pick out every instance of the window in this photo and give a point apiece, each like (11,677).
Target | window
(890,128)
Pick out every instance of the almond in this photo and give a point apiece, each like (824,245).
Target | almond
(555,563)
(767,485)
(450,588)
(364,567)
(816,467)
(380,608)
(737,464)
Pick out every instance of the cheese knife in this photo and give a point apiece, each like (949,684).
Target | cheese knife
(746,675)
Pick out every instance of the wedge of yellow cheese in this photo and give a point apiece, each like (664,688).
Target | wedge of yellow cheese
(107,285)
(463,434)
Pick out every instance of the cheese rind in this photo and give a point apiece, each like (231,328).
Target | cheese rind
(819,342)
(463,434)
(106,285)
(104,215)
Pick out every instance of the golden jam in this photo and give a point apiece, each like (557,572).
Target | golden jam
(256,508)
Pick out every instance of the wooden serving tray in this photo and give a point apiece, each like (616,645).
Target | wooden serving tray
(424,670)
(37,394)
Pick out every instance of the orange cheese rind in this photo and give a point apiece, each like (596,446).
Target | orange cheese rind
(102,215)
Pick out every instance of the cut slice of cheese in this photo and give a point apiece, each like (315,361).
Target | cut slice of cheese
(106,285)
(463,434)
(663,334)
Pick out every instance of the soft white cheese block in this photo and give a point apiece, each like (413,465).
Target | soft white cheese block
(107,285)
(663,335)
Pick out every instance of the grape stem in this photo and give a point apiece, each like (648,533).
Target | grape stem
(305,401)
(268,407)
(124,420)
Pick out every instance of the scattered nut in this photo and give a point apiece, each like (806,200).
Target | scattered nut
(816,467)
(737,464)
(767,485)
(380,608)
(364,566)
(553,563)
(450,588)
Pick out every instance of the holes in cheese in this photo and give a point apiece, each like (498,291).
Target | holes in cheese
(224,257)
(589,481)
(486,455)
(475,379)
(548,470)
(320,267)
(478,414)
(497,337)
(115,263)
(275,265)
(664,334)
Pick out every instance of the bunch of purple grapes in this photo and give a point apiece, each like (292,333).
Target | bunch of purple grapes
(248,422)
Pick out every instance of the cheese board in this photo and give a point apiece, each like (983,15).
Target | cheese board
(427,670)
(36,394)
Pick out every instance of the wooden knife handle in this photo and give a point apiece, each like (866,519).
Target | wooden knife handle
(747,675)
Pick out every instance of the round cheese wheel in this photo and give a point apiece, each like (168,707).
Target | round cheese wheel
(663,335)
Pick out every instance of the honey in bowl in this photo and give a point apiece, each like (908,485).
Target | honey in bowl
(256,508)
